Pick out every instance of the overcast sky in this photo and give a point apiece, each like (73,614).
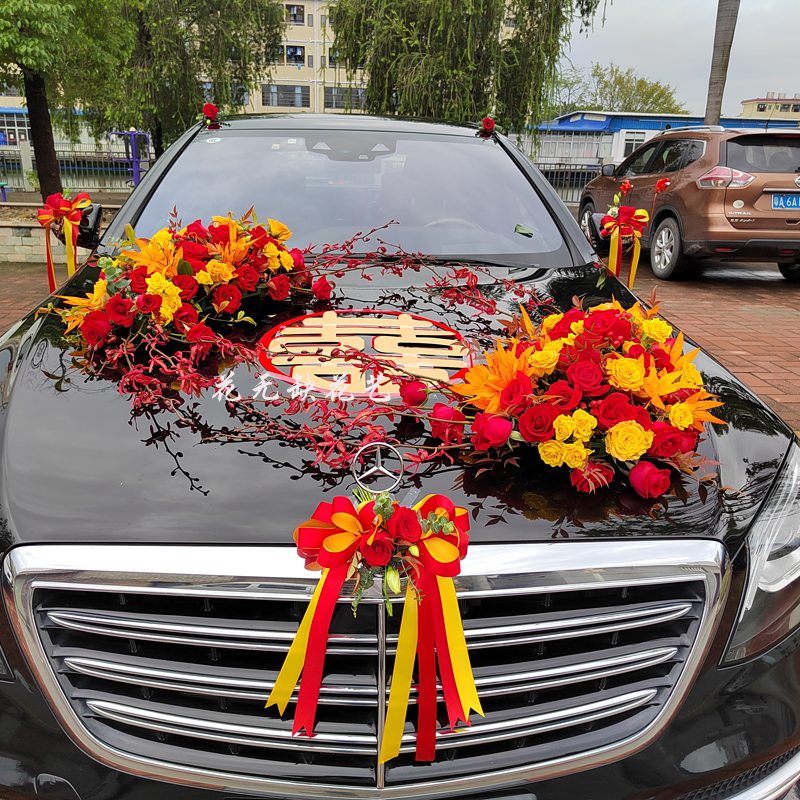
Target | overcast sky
(671,41)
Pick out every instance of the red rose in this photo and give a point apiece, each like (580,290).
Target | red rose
(490,431)
(564,396)
(185,317)
(595,475)
(488,124)
(120,310)
(446,423)
(661,358)
(517,391)
(607,325)
(279,287)
(95,327)
(210,111)
(404,524)
(220,234)
(588,377)
(612,409)
(197,229)
(297,257)
(536,424)
(689,440)
(322,289)
(247,277)
(226,298)
(201,337)
(648,480)
(642,416)
(413,393)
(139,280)
(258,237)
(666,440)
(564,326)
(188,286)
(377,553)
(148,303)
(194,250)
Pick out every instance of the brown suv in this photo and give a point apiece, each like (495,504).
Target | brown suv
(733,196)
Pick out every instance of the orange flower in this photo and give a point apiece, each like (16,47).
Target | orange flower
(157,254)
(484,383)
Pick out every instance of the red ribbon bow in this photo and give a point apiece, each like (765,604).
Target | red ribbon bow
(68,212)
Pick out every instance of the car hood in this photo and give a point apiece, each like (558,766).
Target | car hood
(77,466)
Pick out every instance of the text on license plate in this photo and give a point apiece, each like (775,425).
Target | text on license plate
(790,201)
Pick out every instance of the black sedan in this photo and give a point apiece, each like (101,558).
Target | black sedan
(151,587)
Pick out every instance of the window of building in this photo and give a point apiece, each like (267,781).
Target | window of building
(796,109)
(345,97)
(510,22)
(632,140)
(296,55)
(296,15)
(784,106)
(322,19)
(9,91)
(332,56)
(279,94)
(762,106)
(276,56)
(311,62)
(208,91)
(322,62)
(14,128)
(310,20)
(240,94)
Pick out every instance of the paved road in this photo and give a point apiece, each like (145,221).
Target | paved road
(746,315)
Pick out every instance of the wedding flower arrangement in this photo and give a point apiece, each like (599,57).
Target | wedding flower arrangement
(604,392)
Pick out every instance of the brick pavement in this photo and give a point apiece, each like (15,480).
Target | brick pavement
(747,316)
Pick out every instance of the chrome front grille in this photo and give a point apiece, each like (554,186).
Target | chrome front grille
(581,652)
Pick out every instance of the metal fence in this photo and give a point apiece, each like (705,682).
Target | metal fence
(84,167)
(568,179)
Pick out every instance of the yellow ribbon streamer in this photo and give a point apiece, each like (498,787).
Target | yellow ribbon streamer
(284,686)
(401,679)
(457,644)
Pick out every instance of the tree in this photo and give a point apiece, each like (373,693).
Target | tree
(614,89)
(449,58)
(61,50)
(189,52)
(727,12)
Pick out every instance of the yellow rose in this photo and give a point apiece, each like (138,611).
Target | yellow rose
(657,330)
(555,346)
(156,283)
(220,271)
(271,252)
(577,327)
(680,415)
(99,295)
(543,362)
(203,278)
(628,441)
(626,373)
(692,374)
(550,322)
(168,308)
(576,455)
(585,424)
(287,262)
(552,453)
(564,427)
(162,237)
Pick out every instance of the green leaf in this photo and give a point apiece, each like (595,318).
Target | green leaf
(185,268)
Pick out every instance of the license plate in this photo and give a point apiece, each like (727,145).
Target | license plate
(786,202)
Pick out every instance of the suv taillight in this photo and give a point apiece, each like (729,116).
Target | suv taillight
(725,177)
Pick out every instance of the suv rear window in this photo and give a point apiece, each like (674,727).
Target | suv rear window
(756,154)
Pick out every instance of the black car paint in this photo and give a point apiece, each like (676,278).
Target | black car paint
(75,467)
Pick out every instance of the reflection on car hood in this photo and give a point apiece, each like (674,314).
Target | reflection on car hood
(75,466)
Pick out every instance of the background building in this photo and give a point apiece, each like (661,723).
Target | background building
(772,107)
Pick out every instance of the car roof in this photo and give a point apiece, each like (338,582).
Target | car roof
(347,122)
(701,132)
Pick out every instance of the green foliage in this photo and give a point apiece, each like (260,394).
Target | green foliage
(448,58)
(182,43)
(613,89)
(79,48)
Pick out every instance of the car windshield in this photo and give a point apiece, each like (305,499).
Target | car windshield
(451,195)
